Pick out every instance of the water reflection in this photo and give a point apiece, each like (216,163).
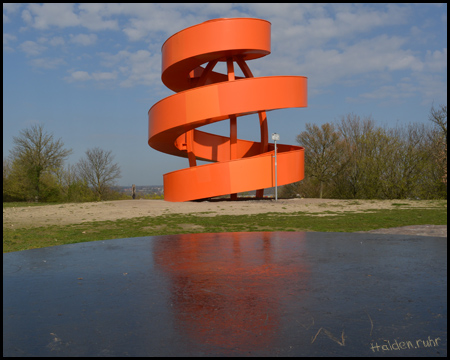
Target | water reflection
(227,290)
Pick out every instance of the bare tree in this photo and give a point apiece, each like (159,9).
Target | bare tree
(36,152)
(323,148)
(99,171)
(362,160)
(439,118)
(404,162)
(357,134)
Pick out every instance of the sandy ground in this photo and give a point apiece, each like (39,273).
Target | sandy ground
(124,209)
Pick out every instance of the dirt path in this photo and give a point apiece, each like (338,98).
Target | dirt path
(124,209)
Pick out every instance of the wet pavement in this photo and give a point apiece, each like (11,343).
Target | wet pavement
(229,294)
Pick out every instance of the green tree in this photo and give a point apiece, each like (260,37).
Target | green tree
(34,157)
(72,187)
(11,190)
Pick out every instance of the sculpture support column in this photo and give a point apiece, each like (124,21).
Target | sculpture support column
(233,121)
(262,118)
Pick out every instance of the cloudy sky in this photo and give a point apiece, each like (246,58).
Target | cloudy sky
(90,72)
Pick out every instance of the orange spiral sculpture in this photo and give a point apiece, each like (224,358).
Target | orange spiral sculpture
(204,96)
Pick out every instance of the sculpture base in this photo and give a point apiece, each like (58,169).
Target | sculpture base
(229,294)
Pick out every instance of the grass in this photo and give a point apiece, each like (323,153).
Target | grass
(30,238)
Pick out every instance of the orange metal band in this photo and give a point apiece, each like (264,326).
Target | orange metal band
(204,97)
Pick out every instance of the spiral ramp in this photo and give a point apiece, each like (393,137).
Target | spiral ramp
(204,96)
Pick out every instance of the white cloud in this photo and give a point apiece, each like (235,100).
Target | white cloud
(96,76)
(424,86)
(146,20)
(42,40)
(283,10)
(26,16)
(10,8)
(393,92)
(79,76)
(91,17)
(328,65)
(139,68)
(345,44)
(83,39)
(7,38)
(437,60)
(156,21)
(433,87)
(62,15)
(301,26)
(47,63)
(32,48)
(42,16)
(143,68)
(57,40)
(100,76)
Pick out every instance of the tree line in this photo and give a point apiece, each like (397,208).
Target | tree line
(35,171)
(352,159)
(356,159)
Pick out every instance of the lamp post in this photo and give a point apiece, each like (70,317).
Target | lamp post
(275,138)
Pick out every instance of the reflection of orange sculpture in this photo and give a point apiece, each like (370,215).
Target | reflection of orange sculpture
(228,290)
(205,96)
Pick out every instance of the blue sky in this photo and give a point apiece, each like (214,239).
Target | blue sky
(90,72)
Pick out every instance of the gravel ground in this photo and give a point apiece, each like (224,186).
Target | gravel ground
(124,209)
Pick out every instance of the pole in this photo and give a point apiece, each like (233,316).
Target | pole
(275,138)
(276,184)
